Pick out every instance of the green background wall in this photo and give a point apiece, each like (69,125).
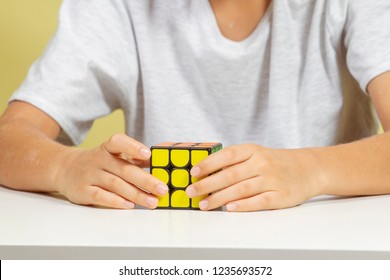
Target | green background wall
(26,26)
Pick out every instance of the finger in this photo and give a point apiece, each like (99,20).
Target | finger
(221,159)
(141,163)
(128,191)
(222,179)
(100,197)
(265,201)
(241,190)
(122,144)
(136,176)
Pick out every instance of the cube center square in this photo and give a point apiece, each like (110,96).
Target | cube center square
(171,162)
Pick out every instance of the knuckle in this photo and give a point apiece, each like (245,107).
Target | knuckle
(243,190)
(124,170)
(199,187)
(254,147)
(231,174)
(114,183)
(265,164)
(149,182)
(139,197)
(114,202)
(96,195)
(230,154)
(116,137)
(266,201)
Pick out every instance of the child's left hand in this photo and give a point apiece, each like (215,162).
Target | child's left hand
(250,177)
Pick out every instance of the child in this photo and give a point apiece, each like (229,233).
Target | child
(291,77)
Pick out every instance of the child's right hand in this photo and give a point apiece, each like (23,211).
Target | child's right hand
(110,175)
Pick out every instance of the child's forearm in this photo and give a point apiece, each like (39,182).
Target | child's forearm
(361,167)
(29,159)
(358,168)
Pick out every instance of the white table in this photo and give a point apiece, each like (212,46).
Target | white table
(40,226)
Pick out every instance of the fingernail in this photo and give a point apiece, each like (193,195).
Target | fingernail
(203,204)
(129,205)
(195,171)
(152,202)
(231,206)
(145,153)
(162,189)
(190,191)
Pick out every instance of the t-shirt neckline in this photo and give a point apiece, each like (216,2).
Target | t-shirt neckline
(245,43)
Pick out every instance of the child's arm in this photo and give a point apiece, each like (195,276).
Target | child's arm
(31,160)
(256,178)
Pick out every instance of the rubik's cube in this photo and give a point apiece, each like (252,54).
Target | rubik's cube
(171,163)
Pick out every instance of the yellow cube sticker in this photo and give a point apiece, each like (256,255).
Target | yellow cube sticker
(198,155)
(161,174)
(180,158)
(163,201)
(180,178)
(160,157)
(180,199)
(196,200)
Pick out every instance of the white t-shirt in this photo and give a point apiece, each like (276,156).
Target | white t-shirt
(177,78)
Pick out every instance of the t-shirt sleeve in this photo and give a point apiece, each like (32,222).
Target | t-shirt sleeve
(86,68)
(367,39)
